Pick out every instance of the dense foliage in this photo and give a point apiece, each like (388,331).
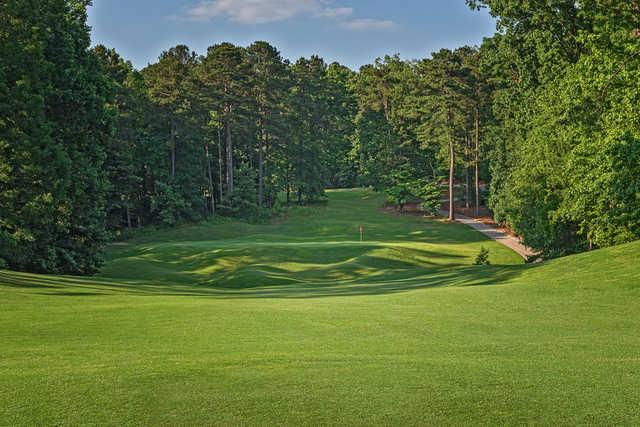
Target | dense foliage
(544,116)
(546,113)
(565,131)
(54,134)
(91,147)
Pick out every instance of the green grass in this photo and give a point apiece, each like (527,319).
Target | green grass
(297,322)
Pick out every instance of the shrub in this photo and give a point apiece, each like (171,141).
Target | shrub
(483,257)
(167,204)
(243,202)
(399,195)
(431,196)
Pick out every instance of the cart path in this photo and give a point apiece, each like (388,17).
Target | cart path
(495,233)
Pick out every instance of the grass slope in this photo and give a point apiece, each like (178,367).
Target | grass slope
(297,322)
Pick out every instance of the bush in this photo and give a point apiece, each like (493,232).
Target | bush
(167,204)
(430,194)
(483,257)
(243,202)
(399,195)
(406,186)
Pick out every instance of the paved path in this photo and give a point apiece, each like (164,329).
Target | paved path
(494,233)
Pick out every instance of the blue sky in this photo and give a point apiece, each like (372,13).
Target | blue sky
(352,32)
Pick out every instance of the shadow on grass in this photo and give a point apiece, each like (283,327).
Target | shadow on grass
(320,257)
(65,286)
(257,266)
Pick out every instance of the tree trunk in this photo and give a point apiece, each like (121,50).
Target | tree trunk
(452,170)
(128,217)
(220,165)
(467,161)
(266,171)
(288,188)
(172,143)
(229,158)
(452,177)
(477,162)
(209,169)
(261,167)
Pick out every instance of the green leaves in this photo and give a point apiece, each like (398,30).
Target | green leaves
(406,187)
(56,126)
(565,134)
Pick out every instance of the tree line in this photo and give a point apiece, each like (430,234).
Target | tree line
(91,147)
(223,133)
(563,130)
(540,123)
(545,115)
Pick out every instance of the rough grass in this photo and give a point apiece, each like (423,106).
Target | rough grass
(297,322)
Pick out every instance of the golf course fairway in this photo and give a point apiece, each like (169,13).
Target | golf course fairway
(298,322)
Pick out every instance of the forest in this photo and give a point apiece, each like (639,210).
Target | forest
(540,123)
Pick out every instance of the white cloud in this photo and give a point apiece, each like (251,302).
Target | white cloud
(367,24)
(263,11)
(266,11)
(338,12)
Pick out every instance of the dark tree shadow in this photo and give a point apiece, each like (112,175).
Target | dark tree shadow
(65,286)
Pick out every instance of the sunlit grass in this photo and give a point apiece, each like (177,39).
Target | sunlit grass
(318,244)
(299,323)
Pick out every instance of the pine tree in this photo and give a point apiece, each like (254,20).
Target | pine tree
(224,75)
(121,165)
(448,95)
(269,83)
